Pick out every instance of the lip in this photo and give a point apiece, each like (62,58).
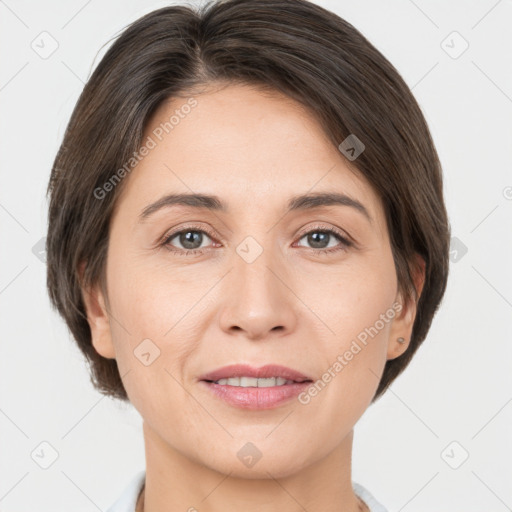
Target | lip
(252,397)
(267,371)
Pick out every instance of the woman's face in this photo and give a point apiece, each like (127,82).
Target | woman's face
(255,288)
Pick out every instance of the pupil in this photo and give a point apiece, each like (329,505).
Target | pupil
(186,239)
(313,239)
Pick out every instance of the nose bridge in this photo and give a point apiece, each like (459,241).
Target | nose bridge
(253,262)
(258,301)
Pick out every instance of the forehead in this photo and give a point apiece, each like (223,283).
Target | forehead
(253,148)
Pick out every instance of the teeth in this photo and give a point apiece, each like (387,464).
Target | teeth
(245,382)
(253,382)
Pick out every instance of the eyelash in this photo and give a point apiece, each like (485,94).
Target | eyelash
(196,252)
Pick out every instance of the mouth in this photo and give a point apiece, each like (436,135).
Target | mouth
(247,387)
(253,382)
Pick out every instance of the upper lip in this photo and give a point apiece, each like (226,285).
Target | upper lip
(244,370)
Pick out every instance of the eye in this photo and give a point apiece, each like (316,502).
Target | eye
(321,237)
(190,239)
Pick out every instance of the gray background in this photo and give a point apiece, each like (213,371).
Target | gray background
(455,398)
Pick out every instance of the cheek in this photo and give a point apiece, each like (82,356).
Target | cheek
(351,297)
(154,335)
(153,299)
(160,319)
(355,308)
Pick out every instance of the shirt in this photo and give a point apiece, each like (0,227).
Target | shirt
(128,499)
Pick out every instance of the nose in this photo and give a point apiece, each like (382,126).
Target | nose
(260,302)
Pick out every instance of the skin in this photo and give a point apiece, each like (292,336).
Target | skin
(254,150)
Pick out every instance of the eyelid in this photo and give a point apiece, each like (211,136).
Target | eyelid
(324,227)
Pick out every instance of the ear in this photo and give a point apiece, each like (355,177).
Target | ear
(404,320)
(98,317)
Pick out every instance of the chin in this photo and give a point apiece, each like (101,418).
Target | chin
(247,463)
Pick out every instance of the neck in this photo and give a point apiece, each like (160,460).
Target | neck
(176,482)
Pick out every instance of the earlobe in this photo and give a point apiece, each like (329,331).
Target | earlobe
(97,317)
(401,330)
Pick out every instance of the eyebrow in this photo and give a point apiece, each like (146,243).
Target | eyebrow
(296,203)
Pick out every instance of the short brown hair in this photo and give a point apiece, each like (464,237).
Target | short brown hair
(293,46)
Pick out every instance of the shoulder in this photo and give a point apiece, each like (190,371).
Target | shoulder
(368,498)
(128,499)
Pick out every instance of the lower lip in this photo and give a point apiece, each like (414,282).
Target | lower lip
(257,398)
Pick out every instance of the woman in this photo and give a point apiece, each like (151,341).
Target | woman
(248,241)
